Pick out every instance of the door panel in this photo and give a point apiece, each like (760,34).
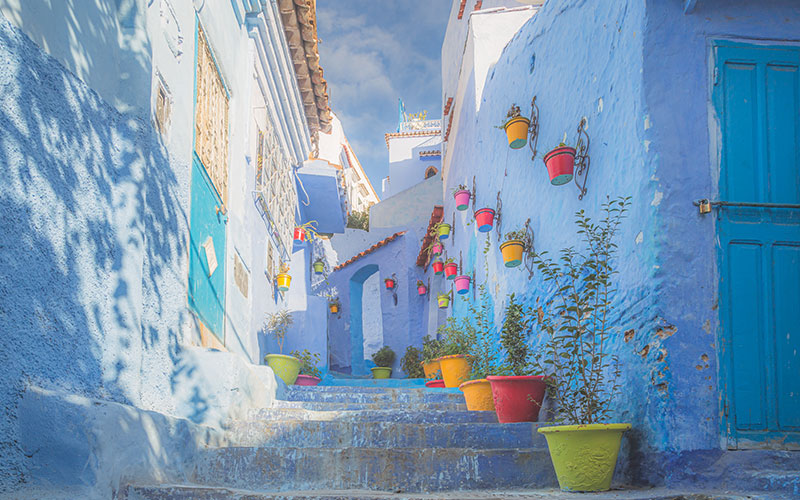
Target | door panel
(756,99)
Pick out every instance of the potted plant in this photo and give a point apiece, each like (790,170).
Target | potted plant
(334,305)
(517,392)
(484,218)
(483,354)
(576,337)
(286,367)
(305,231)
(421,288)
(383,358)
(411,362)
(516,128)
(390,283)
(443,230)
(462,284)
(450,269)
(454,361)
(438,267)
(283,278)
(437,248)
(319,266)
(513,247)
(560,163)
(462,196)
(443,299)
(309,373)
(431,350)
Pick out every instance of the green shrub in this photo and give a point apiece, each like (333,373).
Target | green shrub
(431,349)
(411,363)
(309,361)
(384,357)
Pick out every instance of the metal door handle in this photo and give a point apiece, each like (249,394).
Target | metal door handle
(705,205)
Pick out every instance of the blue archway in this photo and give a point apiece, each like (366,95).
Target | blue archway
(357,365)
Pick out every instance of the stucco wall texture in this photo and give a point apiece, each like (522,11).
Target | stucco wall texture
(638,71)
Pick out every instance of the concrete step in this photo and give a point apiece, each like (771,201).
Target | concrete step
(373,395)
(331,406)
(395,469)
(176,492)
(344,434)
(391,415)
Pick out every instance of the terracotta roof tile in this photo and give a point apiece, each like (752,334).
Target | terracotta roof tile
(461,9)
(433,152)
(436,217)
(447,106)
(478,5)
(413,133)
(449,124)
(369,250)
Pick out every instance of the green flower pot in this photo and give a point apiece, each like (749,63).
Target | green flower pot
(286,367)
(381,372)
(584,456)
(444,231)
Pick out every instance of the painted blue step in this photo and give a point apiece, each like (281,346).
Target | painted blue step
(331,380)
(387,396)
(392,415)
(326,406)
(342,434)
(394,469)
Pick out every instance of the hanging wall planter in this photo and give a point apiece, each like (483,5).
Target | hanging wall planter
(438,267)
(444,230)
(437,249)
(462,196)
(390,283)
(560,163)
(512,252)
(334,308)
(450,270)
(462,284)
(299,234)
(421,288)
(284,281)
(444,300)
(484,218)
(319,267)
(516,128)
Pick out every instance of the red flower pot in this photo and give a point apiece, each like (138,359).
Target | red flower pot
(485,219)
(435,383)
(438,267)
(462,199)
(560,164)
(299,234)
(511,397)
(422,290)
(462,284)
(389,283)
(450,270)
(307,380)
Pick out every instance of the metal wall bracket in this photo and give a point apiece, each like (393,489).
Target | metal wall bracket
(582,159)
(533,128)
(528,249)
(474,193)
(497,217)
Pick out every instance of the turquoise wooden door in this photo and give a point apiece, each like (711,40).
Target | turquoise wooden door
(207,243)
(757,98)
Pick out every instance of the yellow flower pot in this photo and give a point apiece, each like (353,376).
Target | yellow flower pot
(381,372)
(284,280)
(517,131)
(478,395)
(512,252)
(584,456)
(455,369)
(285,367)
(432,369)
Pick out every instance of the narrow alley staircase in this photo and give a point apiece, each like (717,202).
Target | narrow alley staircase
(366,442)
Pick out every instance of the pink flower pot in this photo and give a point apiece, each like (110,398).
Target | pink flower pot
(307,380)
(485,219)
(462,284)
(560,164)
(437,249)
(450,270)
(422,290)
(462,199)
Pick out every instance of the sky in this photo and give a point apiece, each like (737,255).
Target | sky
(374,52)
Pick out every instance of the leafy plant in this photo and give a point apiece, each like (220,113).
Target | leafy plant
(420,283)
(483,351)
(384,357)
(278,324)
(358,220)
(456,337)
(449,260)
(431,348)
(283,267)
(460,187)
(334,302)
(576,320)
(309,229)
(514,338)
(309,361)
(411,362)
(519,234)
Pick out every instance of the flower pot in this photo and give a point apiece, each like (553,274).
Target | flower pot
(334,308)
(517,131)
(443,300)
(389,283)
(462,284)
(512,252)
(422,290)
(478,395)
(284,280)
(560,164)
(307,380)
(517,398)
(462,199)
(432,369)
(438,267)
(299,234)
(319,267)
(381,372)
(450,270)
(455,369)
(285,367)
(444,231)
(435,383)
(584,456)
(437,249)
(485,219)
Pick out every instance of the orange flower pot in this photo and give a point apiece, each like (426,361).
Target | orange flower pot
(432,369)
(334,308)
(478,395)
(517,131)
(512,252)
(455,369)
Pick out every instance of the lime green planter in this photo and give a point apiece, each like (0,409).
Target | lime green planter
(381,372)
(584,456)
(286,367)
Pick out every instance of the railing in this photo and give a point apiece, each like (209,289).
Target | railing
(420,125)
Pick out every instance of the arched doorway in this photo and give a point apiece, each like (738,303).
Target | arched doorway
(366,317)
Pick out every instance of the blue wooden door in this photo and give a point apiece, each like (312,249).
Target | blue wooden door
(206,231)
(757,99)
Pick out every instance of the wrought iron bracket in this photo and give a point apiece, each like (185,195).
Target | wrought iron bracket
(497,217)
(394,288)
(453,230)
(533,128)
(582,159)
(472,284)
(528,248)
(474,193)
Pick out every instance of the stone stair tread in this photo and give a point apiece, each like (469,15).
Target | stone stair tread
(185,492)
(386,415)
(332,406)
